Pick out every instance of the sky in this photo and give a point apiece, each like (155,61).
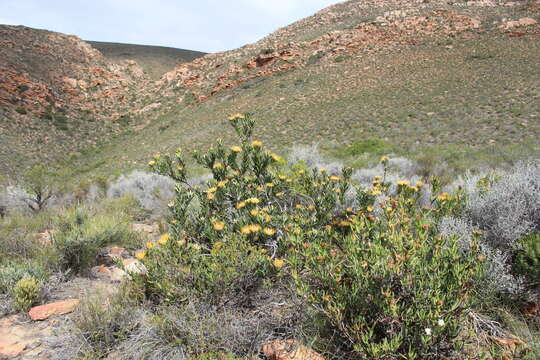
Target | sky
(204,25)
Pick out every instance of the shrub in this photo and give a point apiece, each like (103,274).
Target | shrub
(507,205)
(26,293)
(389,285)
(81,233)
(385,281)
(21,110)
(527,260)
(151,191)
(311,157)
(14,270)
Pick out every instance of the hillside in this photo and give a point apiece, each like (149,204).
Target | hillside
(452,81)
(155,60)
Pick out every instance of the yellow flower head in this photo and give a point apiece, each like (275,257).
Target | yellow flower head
(222,183)
(212,189)
(179,167)
(370,208)
(255,228)
(217,165)
(257,143)
(245,230)
(419,184)
(260,188)
(311,207)
(279,263)
(276,157)
(218,245)
(140,254)
(163,239)
(241,205)
(253,201)
(269,231)
(254,212)
(270,185)
(237,116)
(149,245)
(403,182)
(157,156)
(443,196)
(236,149)
(219,225)
(385,159)
(210,196)
(323,170)
(334,178)
(152,163)
(299,206)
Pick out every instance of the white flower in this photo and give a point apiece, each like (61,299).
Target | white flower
(428,331)
(440,322)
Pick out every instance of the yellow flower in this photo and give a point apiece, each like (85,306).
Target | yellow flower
(210,196)
(255,228)
(260,188)
(282,177)
(179,168)
(254,212)
(334,178)
(419,184)
(270,185)
(253,201)
(212,189)
(152,163)
(218,245)
(150,245)
(279,263)
(276,157)
(443,196)
(299,206)
(267,218)
(140,254)
(217,165)
(301,172)
(245,230)
(241,205)
(237,116)
(403,182)
(415,188)
(370,208)
(157,156)
(389,209)
(221,183)
(219,225)
(376,192)
(323,170)
(385,159)
(311,207)
(269,232)
(163,239)
(257,143)
(236,149)
(344,223)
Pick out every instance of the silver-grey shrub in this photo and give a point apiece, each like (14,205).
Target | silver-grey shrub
(510,208)
(153,192)
(312,158)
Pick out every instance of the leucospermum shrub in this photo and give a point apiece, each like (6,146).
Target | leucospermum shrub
(26,293)
(385,281)
(389,284)
(229,234)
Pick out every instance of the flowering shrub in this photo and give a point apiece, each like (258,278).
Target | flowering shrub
(388,284)
(26,293)
(379,272)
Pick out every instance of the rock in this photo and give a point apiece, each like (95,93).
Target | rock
(134,266)
(43,312)
(521,22)
(117,274)
(149,229)
(9,350)
(289,350)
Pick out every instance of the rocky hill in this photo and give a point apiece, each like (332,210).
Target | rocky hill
(155,60)
(455,79)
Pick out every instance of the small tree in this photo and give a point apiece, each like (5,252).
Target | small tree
(39,185)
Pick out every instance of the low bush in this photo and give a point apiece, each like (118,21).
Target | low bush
(26,293)
(527,259)
(80,233)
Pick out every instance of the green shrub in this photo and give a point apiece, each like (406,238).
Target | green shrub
(527,259)
(26,293)
(80,233)
(14,270)
(21,110)
(388,283)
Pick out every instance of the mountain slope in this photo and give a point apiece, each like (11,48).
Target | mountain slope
(155,60)
(456,81)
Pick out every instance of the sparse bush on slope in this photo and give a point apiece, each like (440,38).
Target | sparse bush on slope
(153,192)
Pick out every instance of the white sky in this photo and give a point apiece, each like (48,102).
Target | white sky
(205,25)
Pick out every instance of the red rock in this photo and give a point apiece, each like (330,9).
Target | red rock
(9,350)
(42,312)
(289,350)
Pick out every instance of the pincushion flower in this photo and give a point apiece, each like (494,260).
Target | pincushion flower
(236,149)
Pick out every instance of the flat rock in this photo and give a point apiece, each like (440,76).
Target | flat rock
(43,312)
(289,350)
(9,350)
